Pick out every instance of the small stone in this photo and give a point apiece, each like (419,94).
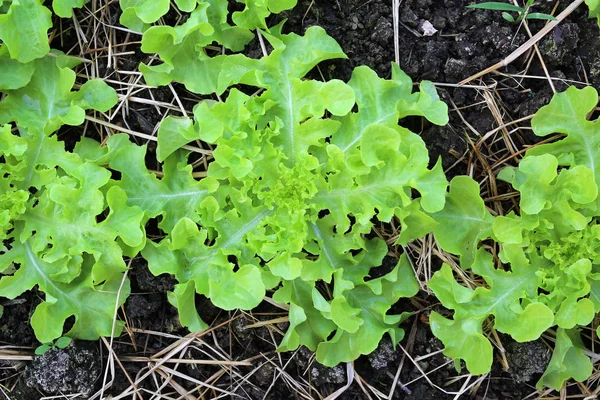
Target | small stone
(427,28)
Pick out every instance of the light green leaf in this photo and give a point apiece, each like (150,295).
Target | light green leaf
(183,297)
(174,133)
(567,114)
(568,361)
(175,196)
(334,251)
(594,6)
(345,316)
(384,102)
(64,8)
(14,74)
(23,30)
(415,223)
(47,102)
(509,229)
(464,221)
(185,61)
(464,340)
(138,13)
(308,325)
(369,304)
(186,5)
(186,255)
(188,63)
(426,103)
(254,14)
(542,187)
(573,313)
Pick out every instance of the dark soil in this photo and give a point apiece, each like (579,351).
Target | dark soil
(14,324)
(467,41)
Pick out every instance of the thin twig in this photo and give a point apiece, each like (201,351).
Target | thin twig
(527,45)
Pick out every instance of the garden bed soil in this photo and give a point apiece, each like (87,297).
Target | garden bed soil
(467,41)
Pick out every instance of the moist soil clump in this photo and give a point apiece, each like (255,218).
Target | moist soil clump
(73,370)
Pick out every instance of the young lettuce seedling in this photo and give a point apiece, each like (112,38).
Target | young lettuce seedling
(61,343)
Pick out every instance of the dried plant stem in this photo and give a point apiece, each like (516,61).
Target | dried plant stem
(527,45)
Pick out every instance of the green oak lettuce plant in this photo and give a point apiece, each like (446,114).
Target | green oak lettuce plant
(550,249)
(301,171)
(51,204)
(62,229)
(51,238)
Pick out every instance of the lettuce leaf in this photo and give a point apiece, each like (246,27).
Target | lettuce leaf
(182,48)
(256,11)
(175,196)
(23,29)
(47,101)
(360,313)
(464,221)
(568,361)
(138,14)
(209,22)
(64,8)
(187,257)
(581,145)
(14,74)
(24,26)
